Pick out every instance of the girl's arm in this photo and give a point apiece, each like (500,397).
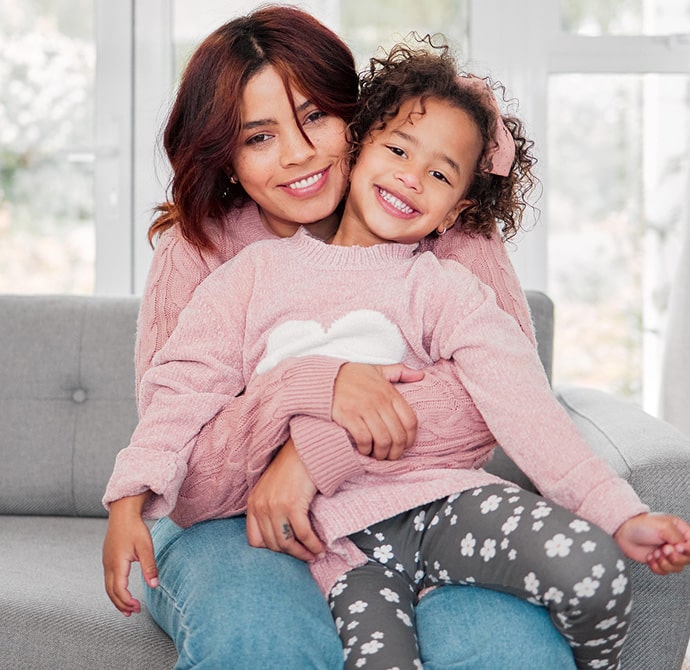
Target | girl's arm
(235,447)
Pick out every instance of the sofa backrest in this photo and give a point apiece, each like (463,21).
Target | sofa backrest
(67,401)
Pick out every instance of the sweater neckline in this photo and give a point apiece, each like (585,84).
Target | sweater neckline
(318,251)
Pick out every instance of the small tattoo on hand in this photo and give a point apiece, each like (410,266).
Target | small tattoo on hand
(287,531)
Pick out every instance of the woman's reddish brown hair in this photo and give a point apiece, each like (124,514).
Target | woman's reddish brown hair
(202,130)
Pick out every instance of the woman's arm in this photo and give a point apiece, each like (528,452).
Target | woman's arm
(235,447)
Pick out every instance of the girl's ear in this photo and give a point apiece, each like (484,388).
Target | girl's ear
(452,216)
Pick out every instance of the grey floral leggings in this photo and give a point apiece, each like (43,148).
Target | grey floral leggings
(497,536)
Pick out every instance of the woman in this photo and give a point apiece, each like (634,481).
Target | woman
(256,139)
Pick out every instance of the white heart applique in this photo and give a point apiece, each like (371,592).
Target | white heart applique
(362,336)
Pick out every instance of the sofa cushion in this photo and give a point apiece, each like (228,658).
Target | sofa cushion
(55,612)
(67,401)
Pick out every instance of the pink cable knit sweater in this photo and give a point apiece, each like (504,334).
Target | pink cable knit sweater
(233,449)
(381,304)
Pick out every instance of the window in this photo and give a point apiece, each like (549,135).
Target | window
(47,69)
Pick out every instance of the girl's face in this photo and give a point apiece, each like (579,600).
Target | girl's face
(411,177)
(292,182)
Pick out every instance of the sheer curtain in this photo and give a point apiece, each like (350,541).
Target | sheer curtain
(675,386)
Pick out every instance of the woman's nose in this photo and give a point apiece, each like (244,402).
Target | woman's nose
(296,149)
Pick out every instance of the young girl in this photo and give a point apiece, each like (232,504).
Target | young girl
(431,147)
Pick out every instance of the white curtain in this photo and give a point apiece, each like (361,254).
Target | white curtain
(675,383)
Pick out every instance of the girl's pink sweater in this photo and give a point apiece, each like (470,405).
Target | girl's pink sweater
(233,449)
(381,304)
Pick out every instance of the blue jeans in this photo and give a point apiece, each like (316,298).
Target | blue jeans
(228,605)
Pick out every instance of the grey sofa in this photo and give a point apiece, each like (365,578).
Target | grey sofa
(66,408)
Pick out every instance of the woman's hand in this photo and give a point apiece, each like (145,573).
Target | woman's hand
(278,508)
(661,541)
(127,540)
(371,409)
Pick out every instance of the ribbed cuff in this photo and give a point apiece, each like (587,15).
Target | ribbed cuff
(326,451)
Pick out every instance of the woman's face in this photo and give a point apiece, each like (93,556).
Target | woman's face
(292,182)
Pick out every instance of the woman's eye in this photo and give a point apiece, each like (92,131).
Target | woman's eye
(260,138)
(315,116)
(396,150)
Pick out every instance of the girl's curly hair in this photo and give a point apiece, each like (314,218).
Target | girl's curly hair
(430,71)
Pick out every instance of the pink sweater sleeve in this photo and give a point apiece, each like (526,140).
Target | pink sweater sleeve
(504,377)
(236,445)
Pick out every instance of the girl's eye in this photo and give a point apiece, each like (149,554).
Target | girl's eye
(439,175)
(396,150)
(259,138)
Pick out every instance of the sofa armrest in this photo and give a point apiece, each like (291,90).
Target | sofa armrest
(655,458)
(649,453)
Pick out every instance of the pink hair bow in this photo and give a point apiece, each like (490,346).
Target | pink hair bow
(502,151)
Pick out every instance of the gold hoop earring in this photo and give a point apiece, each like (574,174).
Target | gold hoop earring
(443,232)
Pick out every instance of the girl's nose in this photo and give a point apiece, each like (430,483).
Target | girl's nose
(295,148)
(410,179)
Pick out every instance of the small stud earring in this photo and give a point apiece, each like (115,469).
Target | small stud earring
(233,179)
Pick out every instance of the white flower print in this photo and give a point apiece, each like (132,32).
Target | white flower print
(620,565)
(596,643)
(558,545)
(553,594)
(380,537)
(443,575)
(505,543)
(435,520)
(371,647)
(490,504)
(488,550)
(477,492)
(390,595)
(453,519)
(339,623)
(378,635)
(467,545)
(383,553)
(404,617)
(448,511)
(532,583)
(588,547)
(513,500)
(598,663)
(579,525)
(618,585)
(419,521)
(417,664)
(351,626)
(470,580)
(351,642)
(510,525)
(519,510)
(607,623)
(537,526)
(346,652)
(399,567)
(338,588)
(358,607)
(598,571)
(610,604)
(452,498)
(437,565)
(361,662)
(512,554)
(587,587)
(541,512)
(511,489)
(419,575)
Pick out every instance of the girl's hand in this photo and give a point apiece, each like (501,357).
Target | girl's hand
(660,540)
(127,540)
(371,409)
(278,508)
